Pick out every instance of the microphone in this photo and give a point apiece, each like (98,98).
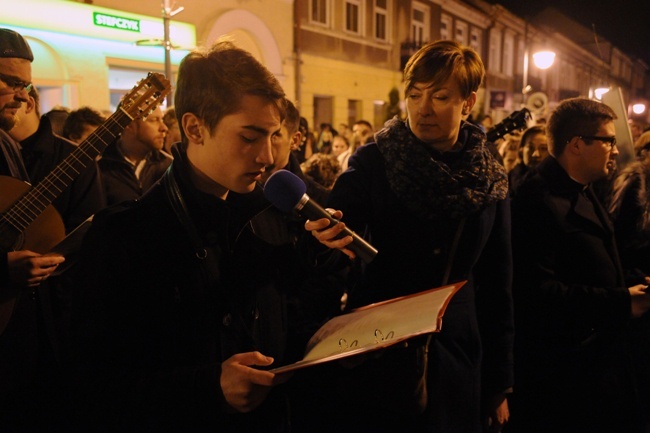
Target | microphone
(287,192)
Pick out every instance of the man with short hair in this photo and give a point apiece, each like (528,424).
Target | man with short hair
(26,350)
(15,84)
(573,363)
(173,134)
(57,116)
(178,314)
(80,123)
(133,163)
(17,268)
(362,133)
(284,143)
(315,290)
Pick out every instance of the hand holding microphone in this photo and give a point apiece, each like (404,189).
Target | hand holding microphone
(286,191)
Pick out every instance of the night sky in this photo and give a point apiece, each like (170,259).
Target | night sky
(624,23)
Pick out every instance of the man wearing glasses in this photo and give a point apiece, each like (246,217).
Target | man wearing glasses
(573,308)
(24,348)
(15,77)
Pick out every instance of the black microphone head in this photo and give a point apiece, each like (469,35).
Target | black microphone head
(284,190)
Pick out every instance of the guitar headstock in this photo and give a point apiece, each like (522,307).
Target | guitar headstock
(516,121)
(145,96)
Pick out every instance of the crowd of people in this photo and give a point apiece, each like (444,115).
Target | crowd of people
(189,287)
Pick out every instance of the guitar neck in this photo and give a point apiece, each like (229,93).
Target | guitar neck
(516,121)
(31,204)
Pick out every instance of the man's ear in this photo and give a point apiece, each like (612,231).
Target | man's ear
(30,105)
(296,138)
(573,146)
(192,126)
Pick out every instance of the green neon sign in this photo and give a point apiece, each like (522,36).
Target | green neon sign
(115,22)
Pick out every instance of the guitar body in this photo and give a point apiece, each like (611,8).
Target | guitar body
(45,232)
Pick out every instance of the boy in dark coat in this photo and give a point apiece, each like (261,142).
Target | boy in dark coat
(178,315)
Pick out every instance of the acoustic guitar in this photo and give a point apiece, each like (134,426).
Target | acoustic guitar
(29,221)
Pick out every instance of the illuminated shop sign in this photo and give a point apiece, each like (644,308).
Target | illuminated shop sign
(90,21)
(116,22)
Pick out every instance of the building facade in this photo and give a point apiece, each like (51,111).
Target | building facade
(339,60)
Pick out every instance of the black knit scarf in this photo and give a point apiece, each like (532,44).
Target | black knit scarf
(432,188)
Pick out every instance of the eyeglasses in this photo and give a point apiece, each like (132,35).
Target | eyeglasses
(610,141)
(16,85)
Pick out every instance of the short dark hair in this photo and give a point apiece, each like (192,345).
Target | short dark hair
(212,82)
(57,115)
(292,121)
(77,119)
(574,117)
(530,133)
(363,122)
(437,61)
(169,117)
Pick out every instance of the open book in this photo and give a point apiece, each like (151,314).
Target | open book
(377,326)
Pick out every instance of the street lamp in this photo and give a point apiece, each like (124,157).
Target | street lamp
(638,108)
(167,13)
(542,59)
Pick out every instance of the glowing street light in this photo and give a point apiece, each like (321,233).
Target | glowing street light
(599,92)
(542,59)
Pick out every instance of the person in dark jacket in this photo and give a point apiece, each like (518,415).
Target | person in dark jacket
(31,328)
(23,268)
(82,122)
(630,211)
(574,310)
(424,182)
(313,277)
(178,314)
(136,161)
